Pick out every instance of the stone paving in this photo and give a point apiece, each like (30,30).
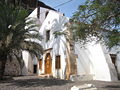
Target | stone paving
(38,83)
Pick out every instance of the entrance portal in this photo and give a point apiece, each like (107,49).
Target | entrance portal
(48,64)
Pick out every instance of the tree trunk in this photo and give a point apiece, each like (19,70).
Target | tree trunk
(3,62)
(3,58)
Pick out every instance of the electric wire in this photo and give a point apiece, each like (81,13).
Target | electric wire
(59,5)
(62,4)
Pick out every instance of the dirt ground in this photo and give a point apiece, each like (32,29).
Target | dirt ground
(38,83)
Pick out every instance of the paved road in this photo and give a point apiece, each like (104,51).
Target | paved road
(37,83)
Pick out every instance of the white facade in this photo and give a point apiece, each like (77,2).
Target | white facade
(92,59)
(54,22)
(28,63)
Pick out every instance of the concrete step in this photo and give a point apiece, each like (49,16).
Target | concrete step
(45,75)
(84,87)
(81,77)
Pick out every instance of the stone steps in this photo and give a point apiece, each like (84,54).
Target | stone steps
(84,87)
(81,77)
(45,75)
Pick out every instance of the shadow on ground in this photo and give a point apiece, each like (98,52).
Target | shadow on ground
(35,82)
(112,86)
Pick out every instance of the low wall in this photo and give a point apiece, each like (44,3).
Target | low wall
(12,68)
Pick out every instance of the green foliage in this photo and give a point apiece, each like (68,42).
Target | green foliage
(95,17)
(13,32)
(57,33)
(14,36)
(114,38)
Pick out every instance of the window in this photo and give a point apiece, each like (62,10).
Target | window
(113,57)
(47,35)
(38,12)
(40,64)
(58,63)
(46,14)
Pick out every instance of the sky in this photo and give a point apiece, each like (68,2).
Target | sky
(68,8)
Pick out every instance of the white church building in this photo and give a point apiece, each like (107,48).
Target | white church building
(91,61)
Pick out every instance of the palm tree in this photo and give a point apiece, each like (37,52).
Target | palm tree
(14,37)
(69,44)
(60,30)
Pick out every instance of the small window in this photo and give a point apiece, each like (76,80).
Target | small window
(58,63)
(113,57)
(38,12)
(40,64)
(47,35)
(46,14)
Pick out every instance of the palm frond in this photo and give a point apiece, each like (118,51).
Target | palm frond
(14,37)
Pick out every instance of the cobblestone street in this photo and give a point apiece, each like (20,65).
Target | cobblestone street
(37,83)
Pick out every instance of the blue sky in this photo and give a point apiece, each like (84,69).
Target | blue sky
(68,9)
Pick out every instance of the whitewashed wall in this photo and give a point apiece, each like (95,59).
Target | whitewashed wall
(28,63)
(55,22)
(92,60)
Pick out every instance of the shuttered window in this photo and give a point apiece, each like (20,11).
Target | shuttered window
(58,62)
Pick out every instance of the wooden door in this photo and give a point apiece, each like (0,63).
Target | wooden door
(48,64)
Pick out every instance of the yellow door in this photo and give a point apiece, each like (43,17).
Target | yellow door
(48,64)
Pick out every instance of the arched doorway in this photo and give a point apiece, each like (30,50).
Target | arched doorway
(48,64)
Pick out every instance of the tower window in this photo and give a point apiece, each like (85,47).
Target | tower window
(38,12)
(46,14)
(47,35)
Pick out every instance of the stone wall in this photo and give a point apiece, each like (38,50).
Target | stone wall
(12,68)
